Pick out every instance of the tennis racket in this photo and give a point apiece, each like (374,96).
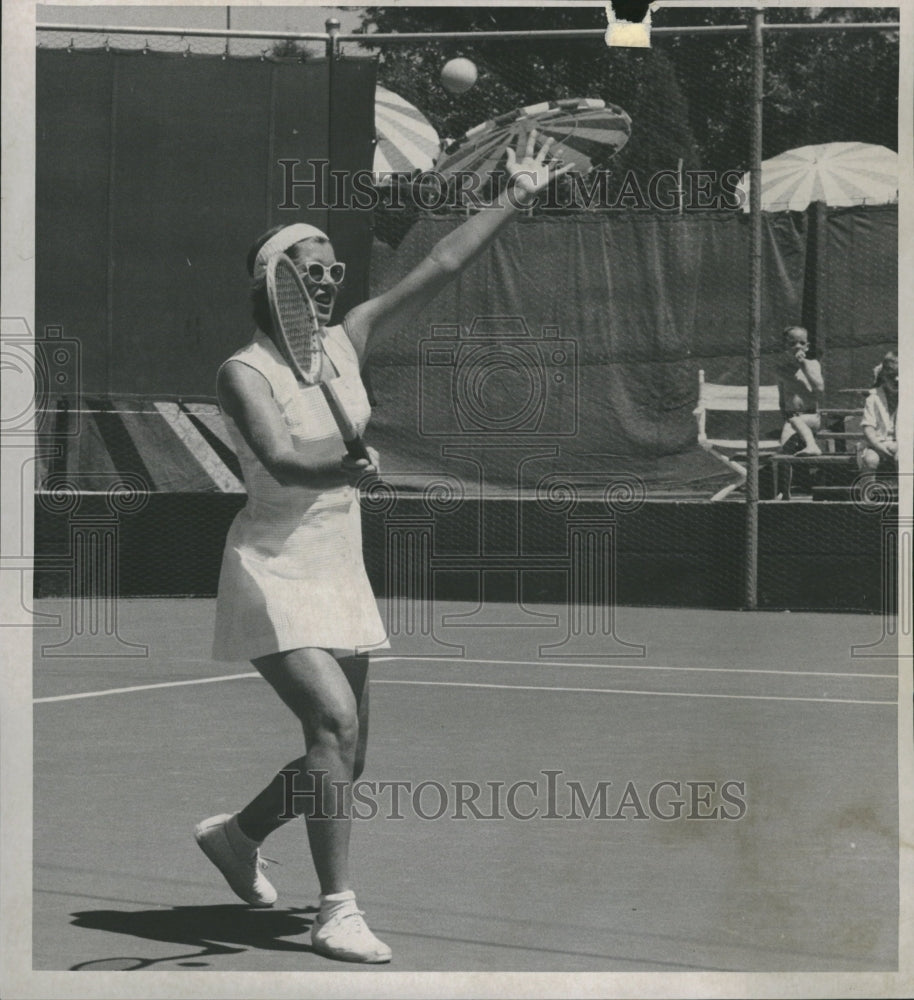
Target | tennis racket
(298,337)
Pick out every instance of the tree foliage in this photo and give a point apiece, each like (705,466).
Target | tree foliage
(688,96)
(820,87)
(289,48)
(521,72)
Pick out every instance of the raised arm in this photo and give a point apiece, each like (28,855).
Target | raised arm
(529,172)
(813,371)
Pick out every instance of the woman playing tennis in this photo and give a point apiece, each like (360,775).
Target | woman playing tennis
(294,597)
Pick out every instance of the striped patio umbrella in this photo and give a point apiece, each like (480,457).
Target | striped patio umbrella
(406,140)
(585,130)
(837,173)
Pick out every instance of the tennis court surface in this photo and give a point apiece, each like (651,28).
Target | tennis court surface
(764,717)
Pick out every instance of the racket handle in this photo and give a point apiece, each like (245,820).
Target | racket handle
(355,446)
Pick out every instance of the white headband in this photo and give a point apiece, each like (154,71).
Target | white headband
(287,237)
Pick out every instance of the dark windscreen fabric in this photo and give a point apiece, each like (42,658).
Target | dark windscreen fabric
(74,104)
(858,312)
(155,173)
(187,192)
(639,304)
(351,136)
(635,305)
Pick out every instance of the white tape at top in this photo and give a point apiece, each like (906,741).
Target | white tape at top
(627,34)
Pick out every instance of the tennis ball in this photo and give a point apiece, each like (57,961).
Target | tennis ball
(458,75)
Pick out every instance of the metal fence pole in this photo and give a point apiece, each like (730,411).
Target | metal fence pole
(755,310)
(332,25)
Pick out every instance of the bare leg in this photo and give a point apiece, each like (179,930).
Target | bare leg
(804,425)
(270,809)
(330,699)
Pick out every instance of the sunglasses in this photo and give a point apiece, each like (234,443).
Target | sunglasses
(320,273)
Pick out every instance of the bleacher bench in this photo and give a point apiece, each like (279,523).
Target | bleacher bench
(717,397)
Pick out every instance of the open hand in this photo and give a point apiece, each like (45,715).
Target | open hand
(530,170)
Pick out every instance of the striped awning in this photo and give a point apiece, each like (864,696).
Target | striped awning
(172,445)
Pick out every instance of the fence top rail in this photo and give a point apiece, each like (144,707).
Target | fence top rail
(443,36)
(666,31)
(101,29)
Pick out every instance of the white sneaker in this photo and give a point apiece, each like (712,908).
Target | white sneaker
(242,866)
(346,936)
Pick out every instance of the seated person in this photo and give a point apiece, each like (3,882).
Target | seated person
(800,385)
(879,453)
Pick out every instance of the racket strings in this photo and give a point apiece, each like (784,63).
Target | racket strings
(297,334)
(300,333)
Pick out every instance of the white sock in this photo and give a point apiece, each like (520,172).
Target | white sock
(240,840)
(334,902)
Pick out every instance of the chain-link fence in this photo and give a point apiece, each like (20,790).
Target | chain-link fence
(203,42)
(665,206)
(831,79)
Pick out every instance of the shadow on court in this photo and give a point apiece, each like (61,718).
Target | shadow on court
(214,930)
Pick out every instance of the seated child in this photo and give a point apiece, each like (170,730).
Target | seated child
(800,385)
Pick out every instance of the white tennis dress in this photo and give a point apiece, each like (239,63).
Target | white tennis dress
(292,571)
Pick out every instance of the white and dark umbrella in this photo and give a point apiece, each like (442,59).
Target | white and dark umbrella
(837,173)
(406,140)
(585,130)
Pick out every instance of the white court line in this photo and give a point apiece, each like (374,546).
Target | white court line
(662,694)
(143,687)
(627,666)
(468,684)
